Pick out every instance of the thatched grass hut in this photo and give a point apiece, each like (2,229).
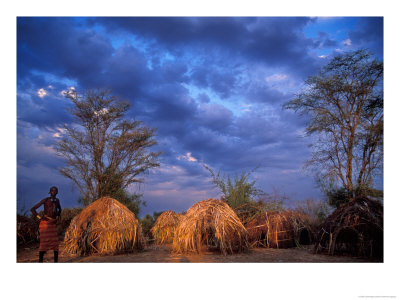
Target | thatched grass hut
(271,229)
(275,229)
(213,224)
(163,230)
(107,227)
(356,228)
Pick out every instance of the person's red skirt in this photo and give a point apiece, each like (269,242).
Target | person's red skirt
(48,236)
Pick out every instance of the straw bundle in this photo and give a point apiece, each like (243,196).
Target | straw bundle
(107,227)
(356,228)
(213,224)
(163,229)
(271,229)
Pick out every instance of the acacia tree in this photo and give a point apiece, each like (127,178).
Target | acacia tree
(104,152)
(345,105)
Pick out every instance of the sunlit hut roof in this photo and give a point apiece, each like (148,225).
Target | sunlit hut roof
(210,223)
(106,226)
(272,229)
(164,228)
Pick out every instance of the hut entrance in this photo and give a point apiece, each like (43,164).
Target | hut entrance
(209,240)
(305,237)
(347,241)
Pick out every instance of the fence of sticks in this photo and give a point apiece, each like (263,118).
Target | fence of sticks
(163,230)
(356,228)
(212,224)
(107,227)
(274,229)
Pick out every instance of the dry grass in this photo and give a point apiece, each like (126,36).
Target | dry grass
(107,227)
(164,228)
(213,224)
(275,229)
(271,229)
(27,230)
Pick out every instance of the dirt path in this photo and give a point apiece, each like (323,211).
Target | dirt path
(163,254)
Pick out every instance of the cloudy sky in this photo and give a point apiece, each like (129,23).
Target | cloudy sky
(213,88)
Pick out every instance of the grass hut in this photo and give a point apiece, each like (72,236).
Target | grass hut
(356,228)
(107,227)
(213,224)
(275,229)
(271,229)
(163,230)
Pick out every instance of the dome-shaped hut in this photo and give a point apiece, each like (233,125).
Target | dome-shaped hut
(274,229)
(107,227)
(163,230)
(213,224)
(356,228)
(271,229)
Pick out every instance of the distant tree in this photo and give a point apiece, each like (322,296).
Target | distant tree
(273,201)
(237,192)
(148,221)
(316,210)
(104,152)
(133,201)
(345,105)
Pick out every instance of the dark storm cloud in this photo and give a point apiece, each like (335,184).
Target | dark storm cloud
(125,72)
(369,34)
(43,112)
(180,31)
(58,46)
(222,82)
(323,41)
(274,41)
(214,116)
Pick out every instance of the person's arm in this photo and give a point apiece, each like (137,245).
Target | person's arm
(35,207)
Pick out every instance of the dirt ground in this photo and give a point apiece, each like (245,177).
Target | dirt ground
(163,254)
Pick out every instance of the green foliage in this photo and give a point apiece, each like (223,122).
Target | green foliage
(338,197)
(238,191)
(147,223)
(132,201)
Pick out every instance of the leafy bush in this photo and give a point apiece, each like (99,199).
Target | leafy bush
(147,223)
(237,192)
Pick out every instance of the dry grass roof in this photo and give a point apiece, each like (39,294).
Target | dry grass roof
(210,223)
(107,227)
(271,229)
(163,230)
(276,229)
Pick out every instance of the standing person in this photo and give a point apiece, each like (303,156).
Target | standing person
(47,226)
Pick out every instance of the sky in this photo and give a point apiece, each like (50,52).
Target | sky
(212,86)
